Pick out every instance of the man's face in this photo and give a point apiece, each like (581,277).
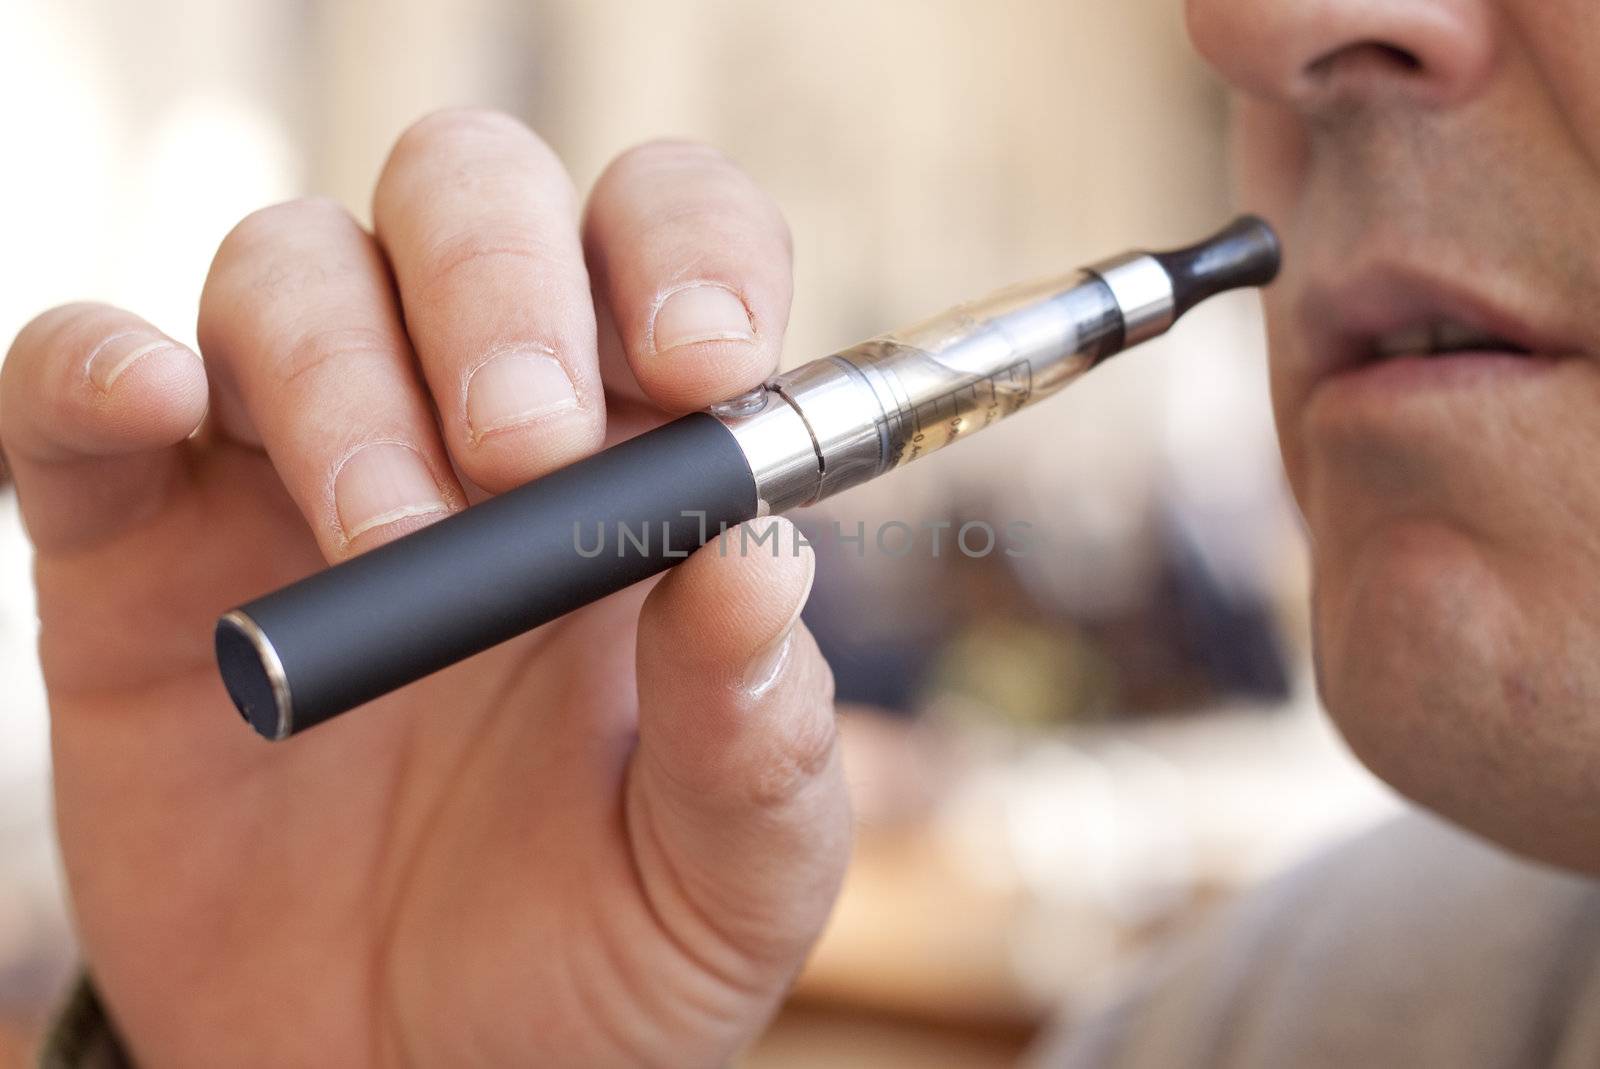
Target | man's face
(1433,167)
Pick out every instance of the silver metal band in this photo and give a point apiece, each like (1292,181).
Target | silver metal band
(271,667)
(1143,290)
(785,453)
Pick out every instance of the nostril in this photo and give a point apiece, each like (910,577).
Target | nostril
(1365,54)
(1400,56)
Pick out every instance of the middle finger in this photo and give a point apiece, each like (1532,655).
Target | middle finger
(480,223)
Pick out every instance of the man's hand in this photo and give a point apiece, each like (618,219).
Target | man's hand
(609,842)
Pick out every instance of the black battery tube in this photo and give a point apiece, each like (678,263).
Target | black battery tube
(367,626)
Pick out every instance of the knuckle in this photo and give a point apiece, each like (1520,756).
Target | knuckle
(783,232)
(267,256)
(43,375)
(43,332)
(473,133)
(673,177)
(269,224)
(827,686)
(802,754)
(50,355)
(476,250)
(449,125)
(333,348)
(255,257)
(672,188)
(667,154)
(473,154)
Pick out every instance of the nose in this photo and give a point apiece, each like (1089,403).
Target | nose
(1306,52)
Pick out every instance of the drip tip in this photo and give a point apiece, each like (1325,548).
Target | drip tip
(1245,253)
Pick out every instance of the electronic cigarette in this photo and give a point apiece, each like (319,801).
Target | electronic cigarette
(367,626)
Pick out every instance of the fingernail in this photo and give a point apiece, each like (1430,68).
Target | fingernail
(381,483)
(515,388)
(764,668)
(700,313)
(116,355)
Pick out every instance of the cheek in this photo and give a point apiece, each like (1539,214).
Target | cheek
(1560,36)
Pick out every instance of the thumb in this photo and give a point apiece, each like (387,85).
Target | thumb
(736,802)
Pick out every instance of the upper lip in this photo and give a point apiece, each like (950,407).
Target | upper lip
(1348,318)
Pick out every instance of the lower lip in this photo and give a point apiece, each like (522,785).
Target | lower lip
(1444,372)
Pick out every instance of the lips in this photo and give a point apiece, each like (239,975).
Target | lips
(1441,337)
(1395,312)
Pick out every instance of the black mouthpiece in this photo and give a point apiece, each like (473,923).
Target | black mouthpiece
(1245,253)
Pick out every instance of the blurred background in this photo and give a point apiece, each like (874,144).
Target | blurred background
(1058,757)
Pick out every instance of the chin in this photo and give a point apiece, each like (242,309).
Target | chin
(1427,663)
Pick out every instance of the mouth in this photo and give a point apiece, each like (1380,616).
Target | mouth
(1394,316)
(1441,337)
